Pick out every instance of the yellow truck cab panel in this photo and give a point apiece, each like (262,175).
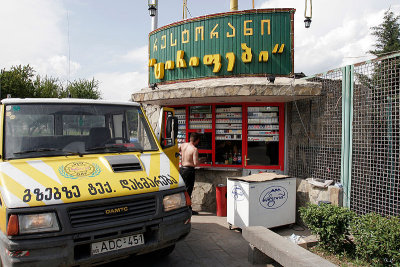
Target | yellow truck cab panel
(83,182)
(168,129)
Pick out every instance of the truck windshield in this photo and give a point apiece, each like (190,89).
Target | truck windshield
(37,130)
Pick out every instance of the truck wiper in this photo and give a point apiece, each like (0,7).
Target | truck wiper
(72,153)
(36,150)
(117,148)
(66,153)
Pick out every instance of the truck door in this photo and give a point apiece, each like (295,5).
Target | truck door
(167,132)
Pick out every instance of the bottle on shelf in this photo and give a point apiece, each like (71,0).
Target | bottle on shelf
(234,160)
(239,158)
(230,158)
(226,158)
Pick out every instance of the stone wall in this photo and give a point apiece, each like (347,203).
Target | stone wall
(152,113)
(204,197)
(308,193)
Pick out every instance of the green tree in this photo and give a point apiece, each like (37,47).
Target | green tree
(18,81)
(47,87)
(82,88)
(388,34)
(21,81)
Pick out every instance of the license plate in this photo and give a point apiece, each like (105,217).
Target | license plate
(117,243)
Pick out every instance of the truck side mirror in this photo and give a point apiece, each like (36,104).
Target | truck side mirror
(172,125)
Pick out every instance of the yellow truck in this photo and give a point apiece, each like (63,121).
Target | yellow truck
(84,182)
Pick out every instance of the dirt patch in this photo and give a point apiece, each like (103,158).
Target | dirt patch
(340,260)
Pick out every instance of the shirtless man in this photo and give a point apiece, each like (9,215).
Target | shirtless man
(190,159)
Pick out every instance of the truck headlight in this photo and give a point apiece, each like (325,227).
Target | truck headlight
(35,223)
(174,201)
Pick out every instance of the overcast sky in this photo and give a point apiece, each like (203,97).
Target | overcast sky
(108,40)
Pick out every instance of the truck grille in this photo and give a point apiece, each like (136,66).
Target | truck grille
(92,215)
(130,167)
(124,163)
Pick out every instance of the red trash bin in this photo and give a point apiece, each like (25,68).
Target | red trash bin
(221,200)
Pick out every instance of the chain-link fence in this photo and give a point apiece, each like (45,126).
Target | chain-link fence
(315,131)
(315,134)
(376,137)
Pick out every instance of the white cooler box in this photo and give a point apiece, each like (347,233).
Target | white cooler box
(264,199)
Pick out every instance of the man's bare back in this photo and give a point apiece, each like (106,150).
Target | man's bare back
(190,155)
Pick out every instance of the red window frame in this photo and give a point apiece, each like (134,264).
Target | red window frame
(244,107)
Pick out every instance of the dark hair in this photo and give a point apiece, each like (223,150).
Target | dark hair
(194,137)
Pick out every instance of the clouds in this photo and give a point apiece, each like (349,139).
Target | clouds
(32,32)
(120,85)
(36,33)
(56,66)
(137,56)
(339,32)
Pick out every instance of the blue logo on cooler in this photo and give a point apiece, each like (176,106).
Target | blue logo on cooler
(273,197)
(237,193)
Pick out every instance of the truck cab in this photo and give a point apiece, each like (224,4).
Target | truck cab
(84,182)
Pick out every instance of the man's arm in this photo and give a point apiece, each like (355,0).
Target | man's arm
(196,157)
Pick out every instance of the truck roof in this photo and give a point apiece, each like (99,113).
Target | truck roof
(65,101)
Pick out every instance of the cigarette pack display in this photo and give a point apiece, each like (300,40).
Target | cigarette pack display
(228,115)
(200,117)
(228,119)
(268,108)
(262,118)
(267,127)
(181,115)
(229,109)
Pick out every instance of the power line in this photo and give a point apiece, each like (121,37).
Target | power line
(69,51)
(189,12)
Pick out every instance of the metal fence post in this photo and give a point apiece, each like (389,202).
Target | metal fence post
(347,128)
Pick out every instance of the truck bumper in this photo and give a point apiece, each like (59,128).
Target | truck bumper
(75,250)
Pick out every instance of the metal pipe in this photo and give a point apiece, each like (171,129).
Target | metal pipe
(184,14)
(154,20)
(347,132)
(234,5)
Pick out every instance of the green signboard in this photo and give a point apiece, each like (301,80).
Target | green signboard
(244,43)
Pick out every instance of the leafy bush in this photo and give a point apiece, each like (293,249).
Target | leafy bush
(377,238)
(330,223)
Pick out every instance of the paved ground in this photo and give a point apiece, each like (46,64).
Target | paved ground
(210,243)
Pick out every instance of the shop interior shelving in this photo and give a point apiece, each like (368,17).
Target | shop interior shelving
(201,121)
(200,118)
(263,124)
(228,123)
(235,135)
(180,113)
(228,135)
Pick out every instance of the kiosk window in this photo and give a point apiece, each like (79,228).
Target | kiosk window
(263,136)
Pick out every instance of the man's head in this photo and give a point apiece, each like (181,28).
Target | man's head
(195,138)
